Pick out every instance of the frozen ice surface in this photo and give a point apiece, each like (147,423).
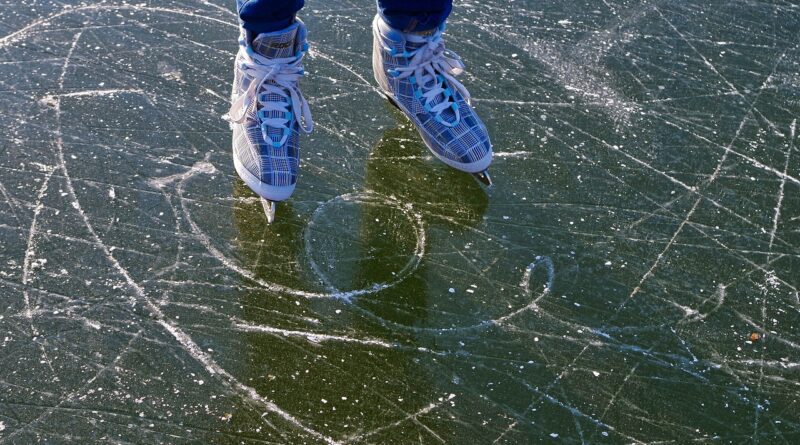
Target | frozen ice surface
(631,278)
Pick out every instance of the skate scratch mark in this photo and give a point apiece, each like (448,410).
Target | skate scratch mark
(30,250)
(413,417)
(613,398)
(367,198)
(313,337)
(349,69)
(551,275)
(526,285)
(777,216)
(318,338)
(508,429)
(27,264)
(519,154)
(695,315)
(38,206)
(10,203)
(95,93)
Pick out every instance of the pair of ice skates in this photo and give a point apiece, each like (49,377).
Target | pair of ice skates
(414,70)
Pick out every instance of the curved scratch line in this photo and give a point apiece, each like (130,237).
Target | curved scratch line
(369,197)
(279,288)
(14,36)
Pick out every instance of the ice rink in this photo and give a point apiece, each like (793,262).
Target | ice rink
(631,277)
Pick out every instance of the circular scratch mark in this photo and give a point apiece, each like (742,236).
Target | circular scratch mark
(333,293)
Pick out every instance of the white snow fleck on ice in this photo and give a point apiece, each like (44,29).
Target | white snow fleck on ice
(2,426)
(451,290)
(608,263)
(553,435)
(596,374)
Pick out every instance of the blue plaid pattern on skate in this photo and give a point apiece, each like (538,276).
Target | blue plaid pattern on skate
(466,142)
(258,146)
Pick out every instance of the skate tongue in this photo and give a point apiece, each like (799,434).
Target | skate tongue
(417,40)
(427,33)
(429,81)
(400,42)
(283,44)
(277,45)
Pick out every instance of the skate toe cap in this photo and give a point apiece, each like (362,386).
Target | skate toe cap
(275,186)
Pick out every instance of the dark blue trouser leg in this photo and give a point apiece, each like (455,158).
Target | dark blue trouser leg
(258,16)
(414,15)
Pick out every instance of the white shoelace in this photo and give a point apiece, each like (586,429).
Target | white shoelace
(285,73)
(434,69)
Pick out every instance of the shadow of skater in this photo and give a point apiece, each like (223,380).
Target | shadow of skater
(401,166)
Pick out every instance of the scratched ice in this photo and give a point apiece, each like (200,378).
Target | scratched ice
(632,277)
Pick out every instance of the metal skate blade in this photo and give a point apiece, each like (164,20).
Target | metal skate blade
(484,178)
(269,209)
(391,101)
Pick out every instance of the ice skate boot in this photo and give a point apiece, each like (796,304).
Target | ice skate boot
(269,112)
(417,74)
